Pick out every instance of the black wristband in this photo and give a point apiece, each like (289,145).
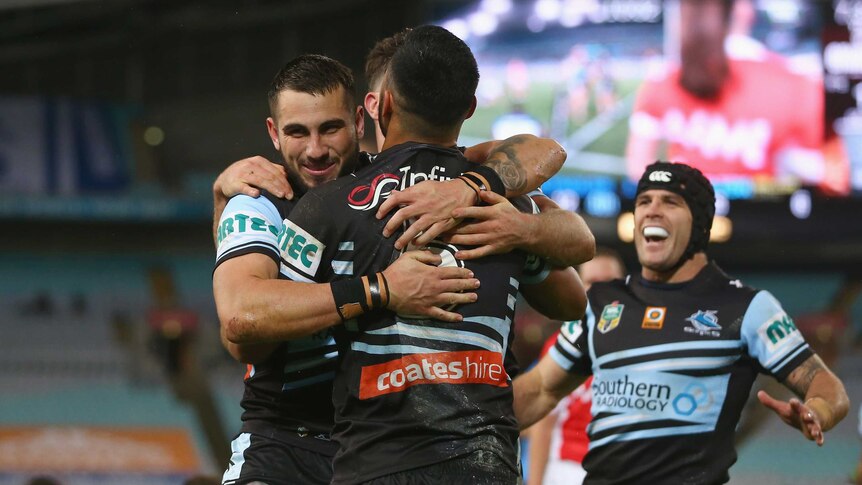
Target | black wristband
(350,298)
(384,290)
(356,296)
(487,178)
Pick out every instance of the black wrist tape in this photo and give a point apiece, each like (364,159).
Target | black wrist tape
(356,296)
(350,299)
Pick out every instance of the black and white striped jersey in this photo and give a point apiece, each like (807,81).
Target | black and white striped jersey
(673,365)
(409,393)
(288,396)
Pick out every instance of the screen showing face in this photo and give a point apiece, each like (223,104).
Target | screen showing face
(737,89)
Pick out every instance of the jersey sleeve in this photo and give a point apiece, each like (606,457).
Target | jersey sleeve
(303,250)
(248,225)
(772,337)
(536,268)
(571,348)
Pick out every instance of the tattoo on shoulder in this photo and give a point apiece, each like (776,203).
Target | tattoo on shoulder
(800,378)
(504,160)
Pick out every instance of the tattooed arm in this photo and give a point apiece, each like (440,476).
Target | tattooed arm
(523,163)
(825,400)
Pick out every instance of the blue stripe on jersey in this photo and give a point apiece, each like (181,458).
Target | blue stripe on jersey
(499,325)
(326,376)
(392,349)
(569,348)
(590,327)
(310,362)
(342,267)
(345,246)
(769,332)
(683,363)
(653,433)
(237,459)
(564,362)
(790,356)
(293,275)
(514,283)
(239,247)
(440,334)
(655,349)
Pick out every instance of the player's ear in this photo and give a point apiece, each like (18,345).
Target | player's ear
(272,129)
(472,108)
(371,104)
(359,121)
(385,105)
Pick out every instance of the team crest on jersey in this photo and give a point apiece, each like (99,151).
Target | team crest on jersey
(610,318)
(704,323)
(654,317)
(367,197)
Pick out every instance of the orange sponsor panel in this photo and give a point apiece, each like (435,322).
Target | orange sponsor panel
(465,367)
(654,317)
(97,449)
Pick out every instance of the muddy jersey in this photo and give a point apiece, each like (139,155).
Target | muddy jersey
(673,365)
(289,395)
(409,393)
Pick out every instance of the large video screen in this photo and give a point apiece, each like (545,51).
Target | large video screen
(769,106)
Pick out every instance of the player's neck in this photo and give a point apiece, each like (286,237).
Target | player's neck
(399,132)
(684,273)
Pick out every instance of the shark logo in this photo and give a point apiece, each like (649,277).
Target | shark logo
(704,323)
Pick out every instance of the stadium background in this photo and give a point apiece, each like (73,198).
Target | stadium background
(115,117)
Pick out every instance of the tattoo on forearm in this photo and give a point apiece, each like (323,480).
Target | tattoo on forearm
(800,379)
(504,160)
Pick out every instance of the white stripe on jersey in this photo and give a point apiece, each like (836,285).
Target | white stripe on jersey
(599,425)
(344,268)
(310,362)
(392,349)
(656,349)
(440,335)
(237,459)
(654,433)
(293,275)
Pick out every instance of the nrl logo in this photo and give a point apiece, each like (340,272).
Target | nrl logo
(610,318)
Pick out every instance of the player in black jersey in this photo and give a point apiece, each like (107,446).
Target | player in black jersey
(287,401)
(287,396)
(674,351)
(426,396)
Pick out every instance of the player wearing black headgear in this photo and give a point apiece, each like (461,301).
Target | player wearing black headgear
(698,193)
(674,351)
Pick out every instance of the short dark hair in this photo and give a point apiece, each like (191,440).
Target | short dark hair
(434,75)
(313,74)
(379,56)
